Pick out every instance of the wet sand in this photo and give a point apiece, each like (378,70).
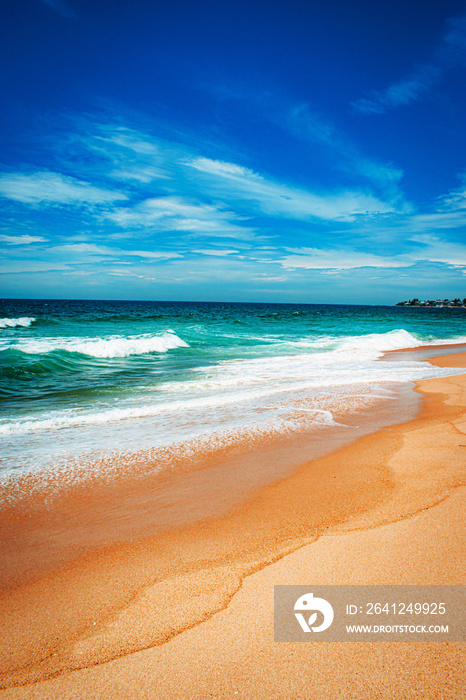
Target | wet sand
(188,613)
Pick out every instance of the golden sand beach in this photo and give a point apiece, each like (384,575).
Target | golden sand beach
(187,612)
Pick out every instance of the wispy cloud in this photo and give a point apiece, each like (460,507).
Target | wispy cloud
(448,215)
(153,254)
(337,259)
(229,180)
(435,249)
(180,214)
(419,83)
(61,6)
(309,126)
(208,197)
(401,93)
(129,139)
(134,203)
(77,249)
(421,248)
(54,189)
(137,173)
(303,122)
(112,152)
(455,200)
(220,253)
(14,267)
(130,273)
(25,239)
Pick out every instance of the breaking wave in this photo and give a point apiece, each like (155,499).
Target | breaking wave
(22,322)
(115,346)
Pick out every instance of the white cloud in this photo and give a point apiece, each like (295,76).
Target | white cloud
(152,254)
(303,122)
(219,167)
(310,126)
(214,229)
(127,273)
(138,173)
(25,239)
(455,200)
(53,188)
(217,253)
(76,248)
(154,210)
(92,249)
(81,273)
(235,182)
(130,139)
(176,206)
(378,172)
(435,249)
(17,266)
(450,50)
(433,222)
(427,248)
(449,214)
(402,93)
(133,156)
(176,213)
(320,259)
(264,277)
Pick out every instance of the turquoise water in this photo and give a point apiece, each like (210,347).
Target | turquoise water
(82,378)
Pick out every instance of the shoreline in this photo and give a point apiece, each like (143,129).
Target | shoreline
(50,526)
(361,487)
(426,351)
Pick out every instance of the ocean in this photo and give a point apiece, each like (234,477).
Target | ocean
(86,381)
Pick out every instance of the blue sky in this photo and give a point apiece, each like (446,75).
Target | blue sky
(292,151)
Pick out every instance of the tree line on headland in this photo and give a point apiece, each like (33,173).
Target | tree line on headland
(437,303)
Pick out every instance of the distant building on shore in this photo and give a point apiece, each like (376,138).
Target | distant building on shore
(435,303)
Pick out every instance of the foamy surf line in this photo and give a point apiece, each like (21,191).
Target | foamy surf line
(313,432)
(268,395)
(304,414)
(400,339)
(372,345)
(242,382)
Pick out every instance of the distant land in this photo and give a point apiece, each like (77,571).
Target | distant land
(436,303)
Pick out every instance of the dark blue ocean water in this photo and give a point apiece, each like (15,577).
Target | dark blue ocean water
(81,377)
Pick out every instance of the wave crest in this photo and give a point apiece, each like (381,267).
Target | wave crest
(23,322)
(383,342)
(115,346)
(124,347)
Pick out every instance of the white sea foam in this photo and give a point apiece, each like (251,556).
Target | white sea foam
(245,391)
(23,322)
(371,345)
(375,344)
(113,346)
(306,386)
